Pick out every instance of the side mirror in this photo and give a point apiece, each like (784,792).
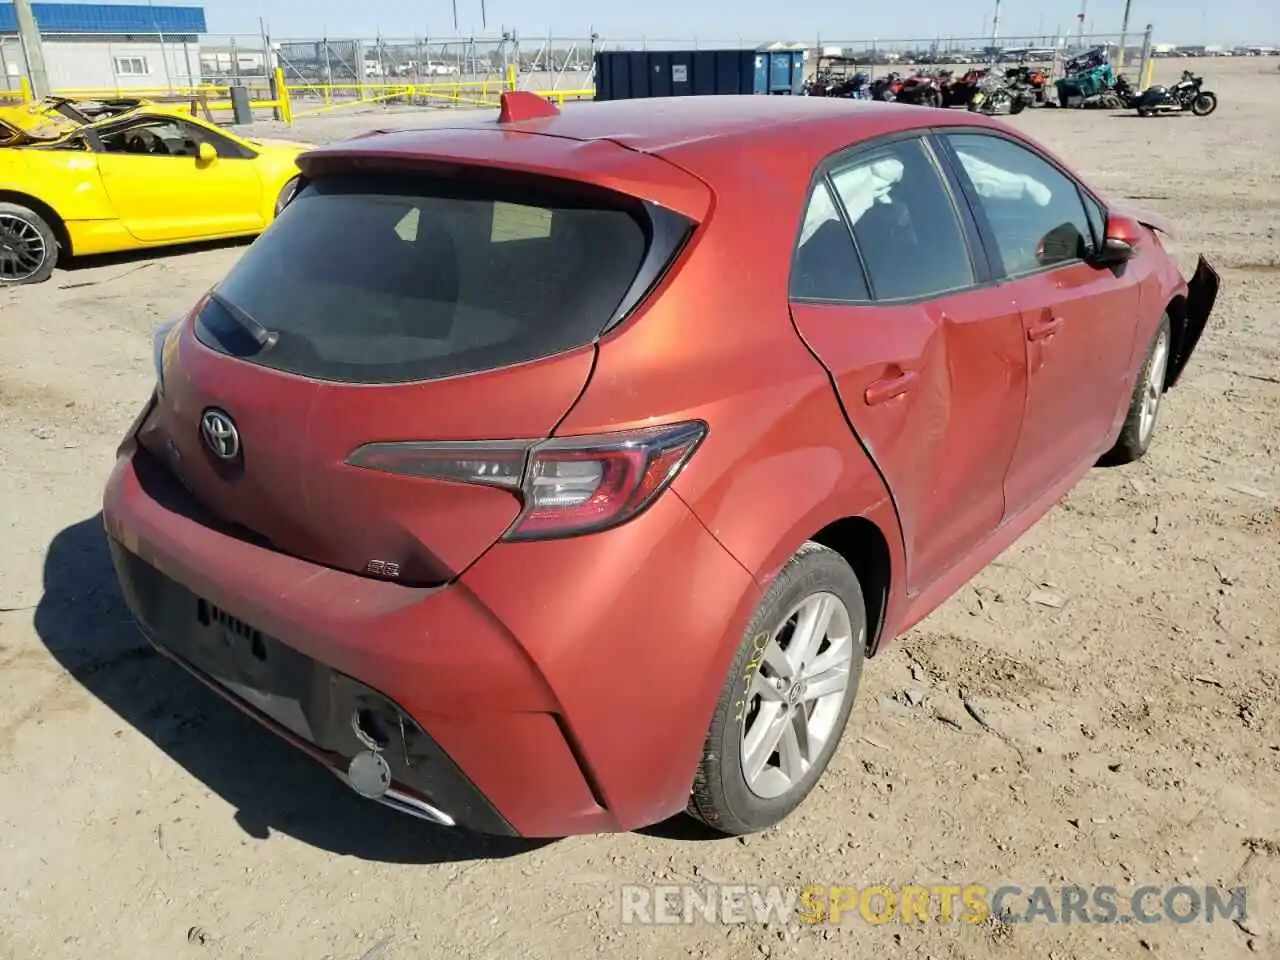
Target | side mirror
(1119,240)
(206,154)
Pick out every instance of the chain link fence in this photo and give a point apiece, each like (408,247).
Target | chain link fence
(331,72)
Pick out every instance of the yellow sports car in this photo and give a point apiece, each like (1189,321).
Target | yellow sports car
(149,176)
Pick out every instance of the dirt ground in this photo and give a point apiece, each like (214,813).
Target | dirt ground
(1124,658)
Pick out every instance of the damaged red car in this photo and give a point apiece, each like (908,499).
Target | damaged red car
(557,473)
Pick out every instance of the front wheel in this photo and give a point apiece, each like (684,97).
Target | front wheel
(1144,404)
(1204,104)
(286,194)
(785,703)
(28,246)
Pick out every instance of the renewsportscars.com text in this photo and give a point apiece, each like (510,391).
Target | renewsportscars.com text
(935,903)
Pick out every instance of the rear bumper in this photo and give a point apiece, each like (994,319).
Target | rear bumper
(557,688)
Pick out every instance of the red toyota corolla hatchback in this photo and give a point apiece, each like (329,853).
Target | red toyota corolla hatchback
(556,474)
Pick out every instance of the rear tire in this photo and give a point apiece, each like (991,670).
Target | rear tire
(783,707)
(28,246)
(1144,405)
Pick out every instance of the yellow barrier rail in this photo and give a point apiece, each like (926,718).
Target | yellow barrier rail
(284,99)
(214,98)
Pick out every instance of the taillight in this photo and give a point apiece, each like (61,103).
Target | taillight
(568,485)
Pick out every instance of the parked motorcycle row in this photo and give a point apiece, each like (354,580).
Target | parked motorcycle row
(1089,82)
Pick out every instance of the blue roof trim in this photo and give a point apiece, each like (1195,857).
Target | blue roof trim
(107,18)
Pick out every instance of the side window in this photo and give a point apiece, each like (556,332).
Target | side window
(165,137)
(156,137)
(905,224)
(1034,210)
(826,264)
(227,149)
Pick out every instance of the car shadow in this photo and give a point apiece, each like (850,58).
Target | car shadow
(138,258)
(86,626)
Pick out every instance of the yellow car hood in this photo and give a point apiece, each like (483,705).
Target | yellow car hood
(32,123)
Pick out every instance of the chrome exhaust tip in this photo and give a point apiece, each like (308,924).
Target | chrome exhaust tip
(368,775)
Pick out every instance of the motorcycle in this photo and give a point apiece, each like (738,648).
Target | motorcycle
(1188,94)
(959,92)
(833,79)
(887,88)
(1033,79)
(921,89)
(997,96)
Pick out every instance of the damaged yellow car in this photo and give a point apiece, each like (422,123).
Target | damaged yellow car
(78,179)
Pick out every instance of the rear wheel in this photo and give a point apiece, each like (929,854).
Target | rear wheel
(1144,404)
(28,246)
(1204,104)
(787,698)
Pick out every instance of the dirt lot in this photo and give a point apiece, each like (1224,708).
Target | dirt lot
(1123,657)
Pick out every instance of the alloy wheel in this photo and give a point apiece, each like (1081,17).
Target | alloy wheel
(1154,389)
(796,694)
(22,249)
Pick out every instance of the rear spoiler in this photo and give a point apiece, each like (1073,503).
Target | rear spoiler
(1148,218)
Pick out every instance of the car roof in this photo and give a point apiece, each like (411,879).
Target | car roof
(675,151)
(807,128)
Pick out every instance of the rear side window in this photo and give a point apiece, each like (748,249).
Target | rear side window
(385,280)
(904,222)
(826,264)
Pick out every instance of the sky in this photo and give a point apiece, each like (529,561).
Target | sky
(1176,21)
(747,22)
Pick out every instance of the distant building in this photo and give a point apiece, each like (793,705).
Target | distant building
(114,46)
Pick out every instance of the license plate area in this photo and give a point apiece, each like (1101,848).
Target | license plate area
(260,670)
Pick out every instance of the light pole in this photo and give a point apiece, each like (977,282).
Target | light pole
(32,50)
(1124,30)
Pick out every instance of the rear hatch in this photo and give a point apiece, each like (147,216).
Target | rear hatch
(400,315)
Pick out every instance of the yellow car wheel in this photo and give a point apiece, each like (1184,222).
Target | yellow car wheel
(28,246)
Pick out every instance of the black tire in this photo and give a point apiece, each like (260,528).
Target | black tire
(28,246)
(721,797)
(1204,104)
(1135,435)
(286,194)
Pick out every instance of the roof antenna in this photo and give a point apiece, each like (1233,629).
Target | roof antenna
(518,105)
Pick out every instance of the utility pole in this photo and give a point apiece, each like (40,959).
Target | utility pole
(32,50)
(1124,30)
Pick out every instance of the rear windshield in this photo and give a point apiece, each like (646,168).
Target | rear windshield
(384,280)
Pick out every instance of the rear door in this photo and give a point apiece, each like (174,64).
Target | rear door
(405,310)
(888,290)
(1079,321)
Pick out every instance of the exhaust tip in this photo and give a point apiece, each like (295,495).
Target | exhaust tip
(369,775)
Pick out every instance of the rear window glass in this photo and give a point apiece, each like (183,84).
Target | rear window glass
(390,280)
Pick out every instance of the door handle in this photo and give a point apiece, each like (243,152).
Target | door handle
(1045,329)
(884,390)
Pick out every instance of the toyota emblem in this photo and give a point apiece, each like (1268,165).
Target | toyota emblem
(220,434)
